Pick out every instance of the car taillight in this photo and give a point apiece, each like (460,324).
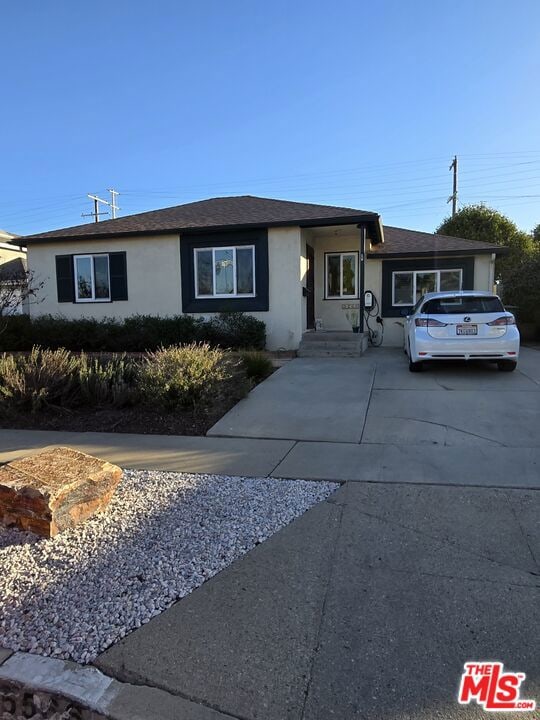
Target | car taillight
(505,320)
(428,322)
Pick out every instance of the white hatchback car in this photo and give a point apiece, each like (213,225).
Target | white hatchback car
(465,325)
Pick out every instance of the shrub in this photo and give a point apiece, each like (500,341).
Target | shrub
(258,366)
(44,377)
(236,330)
(16,332)
(137,333)
(109,382)
(190,376)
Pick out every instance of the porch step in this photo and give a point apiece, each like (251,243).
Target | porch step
(331,336)
(332,344)
(327,353)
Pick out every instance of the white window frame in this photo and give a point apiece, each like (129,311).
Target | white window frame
(341,255)
(422,272)
(213,250)
(92,299)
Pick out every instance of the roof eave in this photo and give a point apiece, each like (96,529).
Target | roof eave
(499,250)
(316,222)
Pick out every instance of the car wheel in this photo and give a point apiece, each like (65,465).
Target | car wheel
(507,365)
(415,366)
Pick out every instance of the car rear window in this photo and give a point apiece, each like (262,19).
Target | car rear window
(459,305)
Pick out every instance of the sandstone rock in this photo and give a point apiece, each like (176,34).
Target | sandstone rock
(55,490)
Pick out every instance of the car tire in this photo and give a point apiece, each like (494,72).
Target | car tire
(415,366)
(507,365)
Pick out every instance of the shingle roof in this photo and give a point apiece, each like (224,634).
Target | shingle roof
(400,241)
(13,270)
(247,210)
(213,213)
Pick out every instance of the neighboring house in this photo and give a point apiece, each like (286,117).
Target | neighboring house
(293,265)
(12,274)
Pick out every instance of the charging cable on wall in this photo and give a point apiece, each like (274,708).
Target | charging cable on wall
(372,313)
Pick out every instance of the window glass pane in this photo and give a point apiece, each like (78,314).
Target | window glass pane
(450,280)
(205,284)
(244,271)
(333,280)
(349,274)
(101,276)
(460,305)
(224,272)
(83,270)
(426,282)
(403,288)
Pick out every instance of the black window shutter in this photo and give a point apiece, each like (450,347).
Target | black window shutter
(65,278)
(118,271)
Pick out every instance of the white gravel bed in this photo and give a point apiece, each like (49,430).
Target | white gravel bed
(162,535)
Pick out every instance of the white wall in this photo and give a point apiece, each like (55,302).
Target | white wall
(331,312)
(154,281)
(8,253)
(483,272)
(153,276)
(286,317)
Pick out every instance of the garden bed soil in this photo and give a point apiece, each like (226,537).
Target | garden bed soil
(125,420)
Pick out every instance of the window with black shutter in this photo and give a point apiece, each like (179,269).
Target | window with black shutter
(90,278)
(65,283)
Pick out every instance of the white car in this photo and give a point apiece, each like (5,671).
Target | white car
(465,325)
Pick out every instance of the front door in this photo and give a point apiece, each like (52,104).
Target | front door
(310,288)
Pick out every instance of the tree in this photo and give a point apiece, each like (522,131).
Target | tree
(479,222)
(522,288)
(536,235)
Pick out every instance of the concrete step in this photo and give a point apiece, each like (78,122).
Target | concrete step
(331,336)
(325,345)
(332,344)
(317,353)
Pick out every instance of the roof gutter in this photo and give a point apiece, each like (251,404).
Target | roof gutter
(438,253)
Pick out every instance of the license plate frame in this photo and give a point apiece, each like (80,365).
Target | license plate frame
(467,329)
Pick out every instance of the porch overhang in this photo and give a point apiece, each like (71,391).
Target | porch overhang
(371,221)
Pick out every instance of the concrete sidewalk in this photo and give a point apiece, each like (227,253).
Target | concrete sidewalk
(384,463)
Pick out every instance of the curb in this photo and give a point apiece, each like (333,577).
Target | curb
(43,683)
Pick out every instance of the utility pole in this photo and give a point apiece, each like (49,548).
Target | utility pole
(114,206)
(96,212)
(453,196)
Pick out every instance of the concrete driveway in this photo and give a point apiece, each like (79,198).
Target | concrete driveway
(367,606)
(370,419)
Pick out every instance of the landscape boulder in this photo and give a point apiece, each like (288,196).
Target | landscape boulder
(54,490)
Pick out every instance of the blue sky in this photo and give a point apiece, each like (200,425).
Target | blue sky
(349,103)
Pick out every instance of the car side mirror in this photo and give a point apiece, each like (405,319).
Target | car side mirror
(404,312)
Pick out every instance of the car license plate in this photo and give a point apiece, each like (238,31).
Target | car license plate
(466,329)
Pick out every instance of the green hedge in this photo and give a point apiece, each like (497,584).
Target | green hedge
(137,333)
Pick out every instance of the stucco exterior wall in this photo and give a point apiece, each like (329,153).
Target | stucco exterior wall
(286,269)
(484,267)
(153,277)
(286,316)
(154,281)
(8,253)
